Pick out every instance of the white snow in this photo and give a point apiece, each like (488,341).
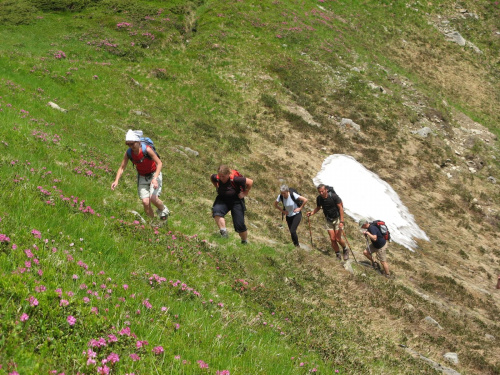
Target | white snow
(366,195)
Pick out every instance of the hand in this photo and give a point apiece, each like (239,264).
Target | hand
(113,185)
(242,195)
(365,233)
(309,213)
(297,209)
(154,182)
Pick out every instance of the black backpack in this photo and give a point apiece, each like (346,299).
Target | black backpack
(330,190)
(298,202)
(383,229)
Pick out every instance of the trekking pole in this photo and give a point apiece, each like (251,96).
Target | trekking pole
(310,233)
(352,252)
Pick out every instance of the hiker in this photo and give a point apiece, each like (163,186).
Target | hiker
(333,209)
(231,188)
(378,244)
(498,283)
(293,203)
(149,177)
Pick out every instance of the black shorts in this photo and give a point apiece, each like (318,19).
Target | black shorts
(237,207)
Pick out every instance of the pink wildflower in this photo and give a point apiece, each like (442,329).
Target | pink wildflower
(71,320)
(158,350)
(134,357)
(24,317)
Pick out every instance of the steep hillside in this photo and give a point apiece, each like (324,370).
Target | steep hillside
(265,87)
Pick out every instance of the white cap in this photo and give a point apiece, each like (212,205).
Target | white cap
(133,135)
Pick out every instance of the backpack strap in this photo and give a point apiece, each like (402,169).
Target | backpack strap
(145,154)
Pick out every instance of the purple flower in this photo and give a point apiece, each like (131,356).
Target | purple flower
(24,317)
(71,320)
(158,350)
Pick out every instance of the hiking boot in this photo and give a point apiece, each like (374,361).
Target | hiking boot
(346,253)
(337,254)
(223,233)
(244,242)
(163,214)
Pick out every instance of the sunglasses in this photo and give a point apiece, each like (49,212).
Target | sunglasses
(130,144)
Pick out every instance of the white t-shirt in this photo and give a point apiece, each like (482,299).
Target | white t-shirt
(290,205)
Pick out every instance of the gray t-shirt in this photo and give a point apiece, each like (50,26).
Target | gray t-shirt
(289,204)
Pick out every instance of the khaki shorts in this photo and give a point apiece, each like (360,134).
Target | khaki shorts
(333,225)
(381,253)
(144,187)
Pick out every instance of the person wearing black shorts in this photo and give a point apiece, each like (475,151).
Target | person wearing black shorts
(232,188)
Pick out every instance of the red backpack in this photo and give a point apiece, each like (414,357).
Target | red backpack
(383,229)
(234,173)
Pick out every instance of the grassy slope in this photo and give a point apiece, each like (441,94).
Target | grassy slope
(218,77)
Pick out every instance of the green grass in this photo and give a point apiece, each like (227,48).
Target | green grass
(204,82)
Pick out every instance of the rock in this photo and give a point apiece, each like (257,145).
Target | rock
(489,337)
(474,48)
(451,357)
(424,132)
(492,179)
(348,266)
(348,123)
(189,151)
(140,113)
(376,87)
(138,216)
(356,70)
(437,366)
(472,170)
(432,322)
(455,37)
(55,106)
(409,307)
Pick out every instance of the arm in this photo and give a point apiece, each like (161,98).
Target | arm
(310,213)
(119,173)
(341,212)
(372,237)
(304,201)
(159,165)
(213,182)
(276,204)
(248,186)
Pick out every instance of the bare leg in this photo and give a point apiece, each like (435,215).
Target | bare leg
(339,239)
(157,202)
(333,240)
(220,221)
(146,203)
(243,235)
(386,267)
(367,254)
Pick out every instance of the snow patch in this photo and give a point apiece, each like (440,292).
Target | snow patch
(365,195)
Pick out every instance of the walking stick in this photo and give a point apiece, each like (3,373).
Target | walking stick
(310,233)
(343,232)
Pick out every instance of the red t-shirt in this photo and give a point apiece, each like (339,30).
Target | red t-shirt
(147,166)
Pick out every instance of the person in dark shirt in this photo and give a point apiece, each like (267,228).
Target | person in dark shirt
(334,215)
(378,244)
(231,188)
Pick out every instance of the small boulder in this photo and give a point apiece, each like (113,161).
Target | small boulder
(455,37)
(348,123)
(451,357)
(55,106)
(428,320)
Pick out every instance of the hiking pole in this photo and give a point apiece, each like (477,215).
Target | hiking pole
(310,233)
(352,252)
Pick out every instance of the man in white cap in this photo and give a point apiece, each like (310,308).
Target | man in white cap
(149,177)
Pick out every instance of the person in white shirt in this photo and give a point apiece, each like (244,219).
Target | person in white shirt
(292,204)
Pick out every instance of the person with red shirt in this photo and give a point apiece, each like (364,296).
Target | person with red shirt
(231,191)
(149,177)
